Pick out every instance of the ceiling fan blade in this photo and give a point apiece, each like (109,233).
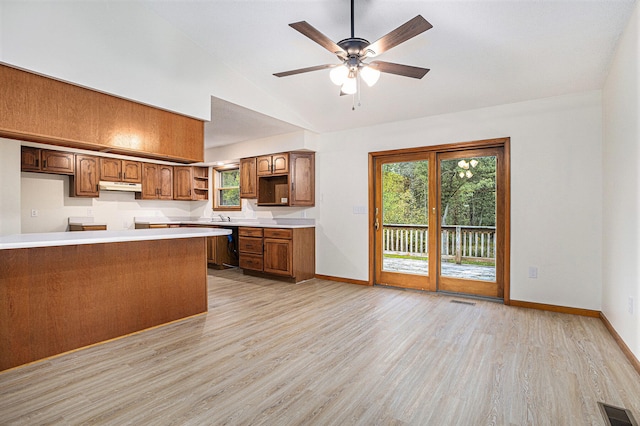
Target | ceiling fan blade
(302,70)
(306,29)
(404,32)
(399,69)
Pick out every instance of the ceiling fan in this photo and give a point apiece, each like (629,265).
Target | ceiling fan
(353,51)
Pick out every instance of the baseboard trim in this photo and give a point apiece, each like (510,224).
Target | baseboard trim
(625,349)
(555,308)
(342,280)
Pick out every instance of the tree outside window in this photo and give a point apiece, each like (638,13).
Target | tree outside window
(227,189)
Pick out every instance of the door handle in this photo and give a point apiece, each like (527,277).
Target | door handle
(377,224)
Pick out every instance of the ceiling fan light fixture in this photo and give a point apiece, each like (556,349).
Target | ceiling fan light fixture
(369,75)
(339,74)
(350,86)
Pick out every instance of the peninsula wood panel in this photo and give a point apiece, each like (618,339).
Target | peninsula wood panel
(56,299)
(41,109)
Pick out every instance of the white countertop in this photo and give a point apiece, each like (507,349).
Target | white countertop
(259,223)
(50,239)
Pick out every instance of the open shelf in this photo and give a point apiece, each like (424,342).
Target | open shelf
(273,190)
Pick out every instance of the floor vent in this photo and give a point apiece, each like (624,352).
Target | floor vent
(463,302)
(616,416)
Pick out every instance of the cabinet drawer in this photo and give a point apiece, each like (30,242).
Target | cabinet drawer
(250,245)
(285,234)
(251,261)
(250,232)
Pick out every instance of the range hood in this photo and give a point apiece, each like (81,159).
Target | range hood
(120,186)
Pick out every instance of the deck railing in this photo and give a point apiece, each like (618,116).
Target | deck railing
(457,243)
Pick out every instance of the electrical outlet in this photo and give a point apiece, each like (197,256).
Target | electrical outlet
(630,305)
(34,213)
(359,210)
(533,272)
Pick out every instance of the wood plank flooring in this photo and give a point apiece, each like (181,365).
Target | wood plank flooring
(329,353)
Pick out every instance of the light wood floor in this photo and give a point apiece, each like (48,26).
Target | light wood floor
(322,352)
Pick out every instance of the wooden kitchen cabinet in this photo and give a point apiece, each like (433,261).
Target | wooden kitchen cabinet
(157,182)
(288,253)
(40,109)
(272,164)
(250,248)
(190,183)
(295,187)
(303,179)
(84,182)
(30,159)
(278,251)
(116,170)
(47,161)
(248,178)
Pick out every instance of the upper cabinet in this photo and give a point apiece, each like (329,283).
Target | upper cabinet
(248,178)
(157,182)
(47,161)
(190,183)
(116,170)
(40,109)
(273,164)
(303,179)
(285,179)
(84,183)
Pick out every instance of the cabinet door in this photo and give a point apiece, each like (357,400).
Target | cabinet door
(165,180)
(86,176)
(278,257)
(211,249)
(58,162)
(131,171)
(280,163)
(182,183)
(30,159)
(110,169)
(263,165)
(248,178)
(149,181)
(302,179)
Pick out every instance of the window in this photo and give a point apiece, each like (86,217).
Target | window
(227,189)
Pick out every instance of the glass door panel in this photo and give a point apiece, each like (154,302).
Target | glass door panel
(469,219)
(402,210)
(405,217)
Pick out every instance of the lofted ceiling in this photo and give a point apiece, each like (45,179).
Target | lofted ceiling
(481,53)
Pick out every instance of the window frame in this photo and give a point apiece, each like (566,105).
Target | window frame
(216,188)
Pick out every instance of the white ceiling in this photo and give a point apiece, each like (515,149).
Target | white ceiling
(481,53)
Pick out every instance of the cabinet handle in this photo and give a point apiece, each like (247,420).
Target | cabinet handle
(44,163)
(37,163)
(125,175)
(189,192)
(119,175)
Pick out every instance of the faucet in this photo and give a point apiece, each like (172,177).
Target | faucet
(222,218)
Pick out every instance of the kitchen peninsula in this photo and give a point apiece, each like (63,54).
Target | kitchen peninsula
(61,291)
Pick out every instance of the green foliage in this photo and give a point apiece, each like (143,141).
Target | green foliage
(406,196)
(467,200)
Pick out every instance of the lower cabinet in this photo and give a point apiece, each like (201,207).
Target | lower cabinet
(288,253)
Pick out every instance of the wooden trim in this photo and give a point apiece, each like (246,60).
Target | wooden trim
(485,143)
(625,349)
(555,308)
(506,266)
(372,218)
(103,342)
(343,280)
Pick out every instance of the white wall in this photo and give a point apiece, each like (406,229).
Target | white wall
(621,181)
(556,191)
(9,187)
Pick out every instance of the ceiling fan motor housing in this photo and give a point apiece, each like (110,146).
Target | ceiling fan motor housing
(354,46)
